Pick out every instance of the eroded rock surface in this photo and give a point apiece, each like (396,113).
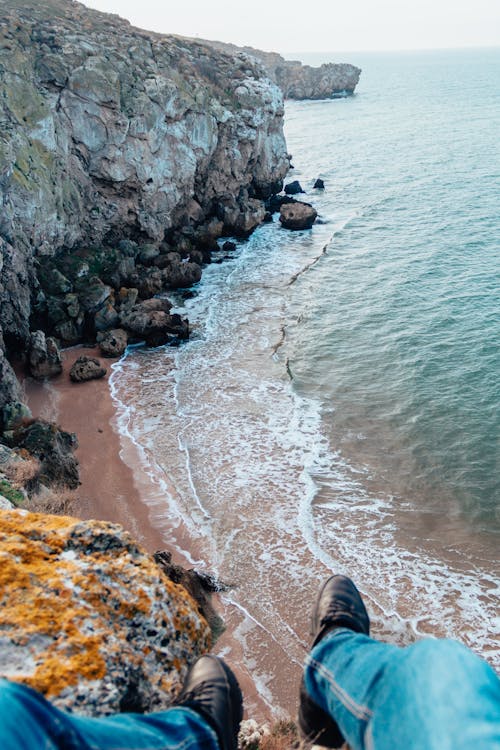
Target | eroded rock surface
(108,134)
(297,215)
(86,368)
(88,618)
(298,81)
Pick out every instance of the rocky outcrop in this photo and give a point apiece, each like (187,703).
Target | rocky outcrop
(113,343)
(86,368)
(88,618)
(297,215)
(44,357)
(108,135)
(298,81)
(52,446)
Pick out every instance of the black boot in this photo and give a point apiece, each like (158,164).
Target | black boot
(212,690)
(339,605)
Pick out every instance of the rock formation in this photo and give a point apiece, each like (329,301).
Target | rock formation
(297,215)
(112,135)
(298,81)
(89,619)
(86,368)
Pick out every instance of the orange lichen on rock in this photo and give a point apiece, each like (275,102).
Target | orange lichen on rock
(88,618)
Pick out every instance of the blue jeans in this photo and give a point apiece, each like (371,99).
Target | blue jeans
(29,722)
(432,695)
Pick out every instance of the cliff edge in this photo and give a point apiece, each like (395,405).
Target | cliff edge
(299,81)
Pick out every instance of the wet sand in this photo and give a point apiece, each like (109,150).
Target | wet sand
(111,490)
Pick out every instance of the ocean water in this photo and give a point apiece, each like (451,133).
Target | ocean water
(338,405)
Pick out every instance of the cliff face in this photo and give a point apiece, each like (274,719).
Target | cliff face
(298,81)
(109,132)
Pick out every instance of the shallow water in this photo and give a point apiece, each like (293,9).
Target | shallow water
(337,406)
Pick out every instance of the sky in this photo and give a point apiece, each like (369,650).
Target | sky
(320,25)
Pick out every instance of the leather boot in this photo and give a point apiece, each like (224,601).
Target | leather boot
(339,605)
(212,690)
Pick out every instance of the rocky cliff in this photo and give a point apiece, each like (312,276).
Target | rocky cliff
(298,81)
(110,134)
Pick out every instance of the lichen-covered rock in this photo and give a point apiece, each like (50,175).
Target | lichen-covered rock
(86,368)
(44,357)
(87,617)
(297,215)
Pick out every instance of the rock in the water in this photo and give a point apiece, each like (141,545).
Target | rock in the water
(274,203)
(297,216)
(268,217)
(98,629)
(293,188)
(319,184)
(44,357)
(229,246)
(150,320)
(86,368)
(113,343)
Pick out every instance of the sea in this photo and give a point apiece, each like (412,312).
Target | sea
(337,408)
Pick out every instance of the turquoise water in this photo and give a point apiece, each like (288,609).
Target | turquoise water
(401,333)
(337,406)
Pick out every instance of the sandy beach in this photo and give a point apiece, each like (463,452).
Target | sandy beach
(114,487)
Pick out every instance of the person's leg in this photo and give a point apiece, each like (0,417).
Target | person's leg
(432,695)
(206,717)
(29,721)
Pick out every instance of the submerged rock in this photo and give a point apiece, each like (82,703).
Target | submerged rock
(86,368)
(319,184)
(293,188)
(297,216)
(88,618)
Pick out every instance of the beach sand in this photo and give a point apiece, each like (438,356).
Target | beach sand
(115,488)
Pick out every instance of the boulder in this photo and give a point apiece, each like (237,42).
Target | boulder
(106,317)
(92,293)
(297,216)
(44,357)
(229,246)
(13,415)
(113,343)
(276,201)
(293,188)
(98,629)
(181,274)
(54,449)
(319,184)
(86,368)
(242,218)
(151,321)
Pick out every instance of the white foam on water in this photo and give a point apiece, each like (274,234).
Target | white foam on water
(253,477)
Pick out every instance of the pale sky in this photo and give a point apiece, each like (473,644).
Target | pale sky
(320,25)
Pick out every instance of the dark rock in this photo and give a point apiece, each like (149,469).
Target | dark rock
(200,585)
(44,357)
(54,282)
(54,449)
(9,387)
(181,274)
(319,184)
(147,254)
(229,246)
(69,332)
(276,201)
(293,188)
(92,293)
(241,218)
(86,368)
(151,321)
(126,299)
(13,415)
(297,216)
(268,217)
(188,294)
(113,343)
(106,317)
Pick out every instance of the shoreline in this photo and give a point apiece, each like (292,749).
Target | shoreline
(111,490)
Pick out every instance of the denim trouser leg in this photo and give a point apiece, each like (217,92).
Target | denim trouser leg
(432,695)
(29,722)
